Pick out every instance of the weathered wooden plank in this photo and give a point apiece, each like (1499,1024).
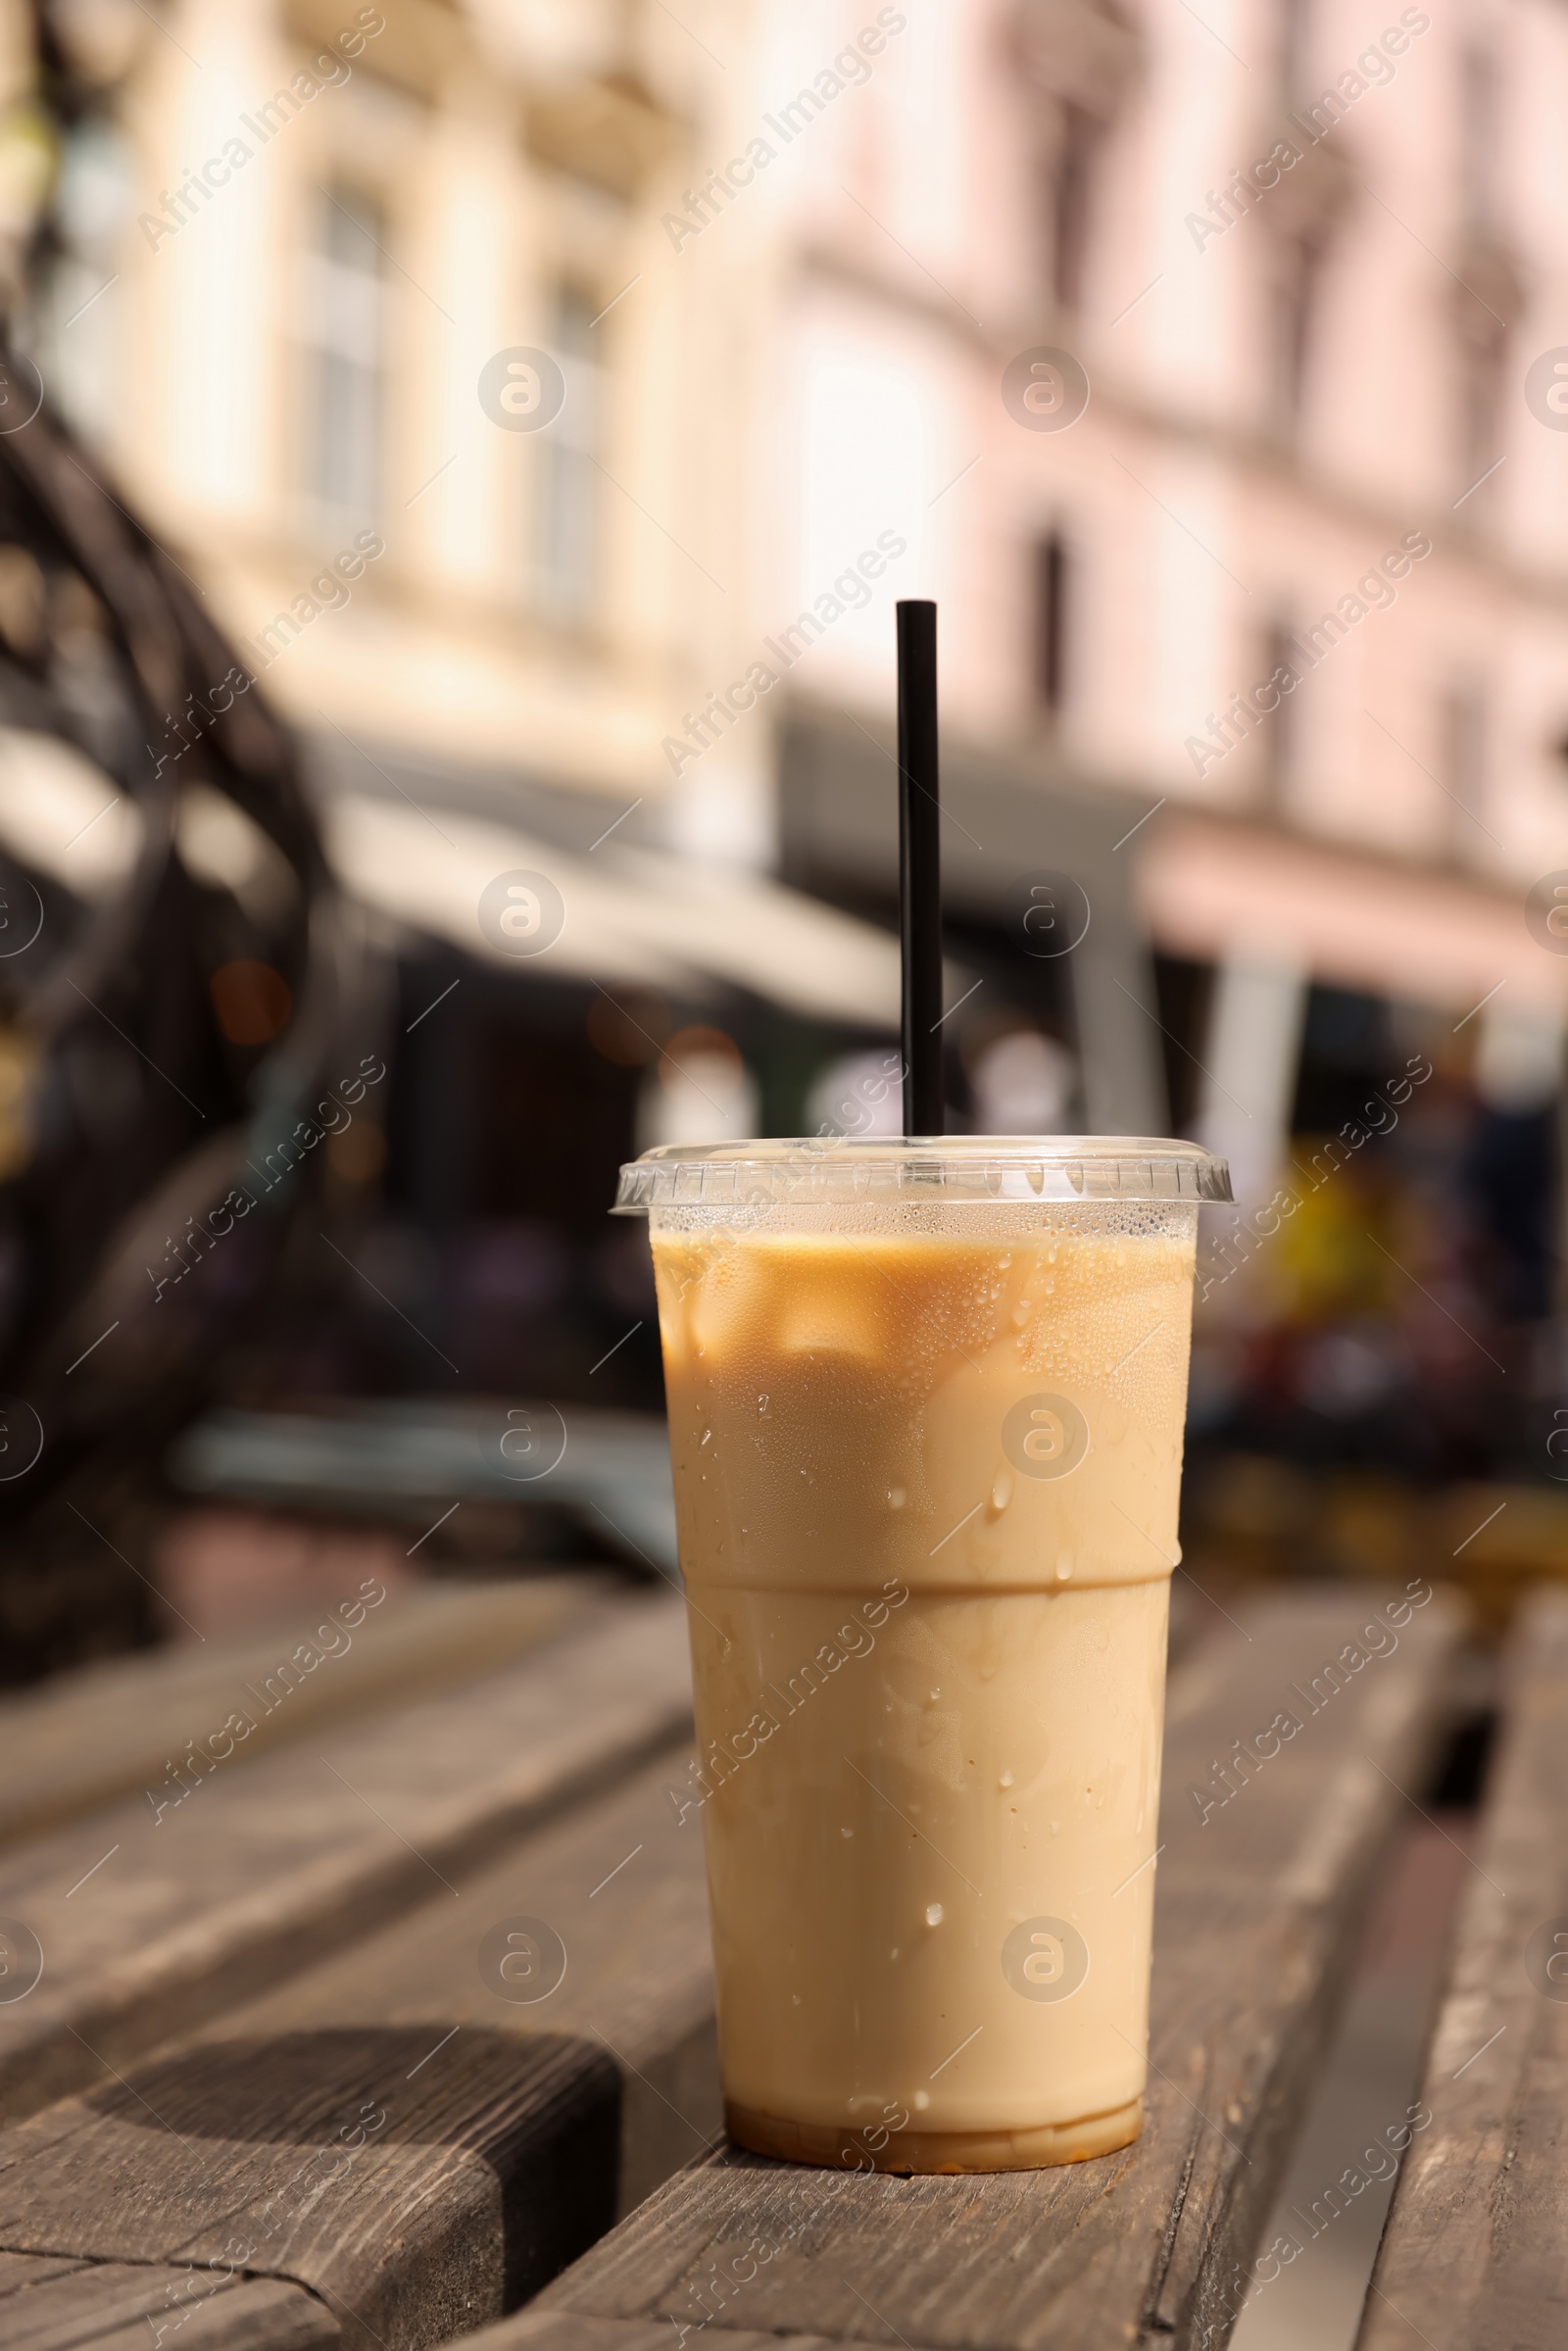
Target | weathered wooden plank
(539,2329)
(77,1744)
(416,2190)
(148,1926)
(57,2305)
(620,1882)
(1259,1890)
(1475,2250)
(497,2158)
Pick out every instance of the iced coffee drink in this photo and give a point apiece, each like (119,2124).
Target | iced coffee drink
(926,1408)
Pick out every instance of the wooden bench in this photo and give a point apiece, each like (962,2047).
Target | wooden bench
(150,1922)
(1475,2254)
(1259,1894)
(110,1730)
(360,2135)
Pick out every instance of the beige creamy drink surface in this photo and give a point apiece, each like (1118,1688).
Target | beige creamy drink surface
(927,1494)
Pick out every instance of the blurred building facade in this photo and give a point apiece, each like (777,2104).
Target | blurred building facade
(1202,359)
(291,239)
(1293,572)
(1201,364)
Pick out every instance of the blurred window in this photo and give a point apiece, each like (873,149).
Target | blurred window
(1348,1049)
(1464,761)
(567,524)
(1478,134)
(1482,335)
(1184,997)
(1051,620)
(1277,742)
(1483,368)
(1296,36)
(1070,194)
(345,340)
(1294,304)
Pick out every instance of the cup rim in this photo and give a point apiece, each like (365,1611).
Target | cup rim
(830,1169)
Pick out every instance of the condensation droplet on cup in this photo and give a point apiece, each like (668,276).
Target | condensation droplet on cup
(896,1497)
(707,1433)
(1006,1780)
(846,1832)
(1064,1566)
(923,2099)
(1001,1490)
(934,1914)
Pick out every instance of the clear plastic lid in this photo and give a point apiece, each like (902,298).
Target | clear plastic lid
(832,1169)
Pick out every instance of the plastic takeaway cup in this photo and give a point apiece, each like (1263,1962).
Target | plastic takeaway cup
(926,1406)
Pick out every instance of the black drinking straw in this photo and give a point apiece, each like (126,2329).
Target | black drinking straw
(920,867)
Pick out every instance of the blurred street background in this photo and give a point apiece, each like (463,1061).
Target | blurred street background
(457,461)
(459,457)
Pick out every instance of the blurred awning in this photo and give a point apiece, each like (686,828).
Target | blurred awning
(630,915)
(1215,891)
